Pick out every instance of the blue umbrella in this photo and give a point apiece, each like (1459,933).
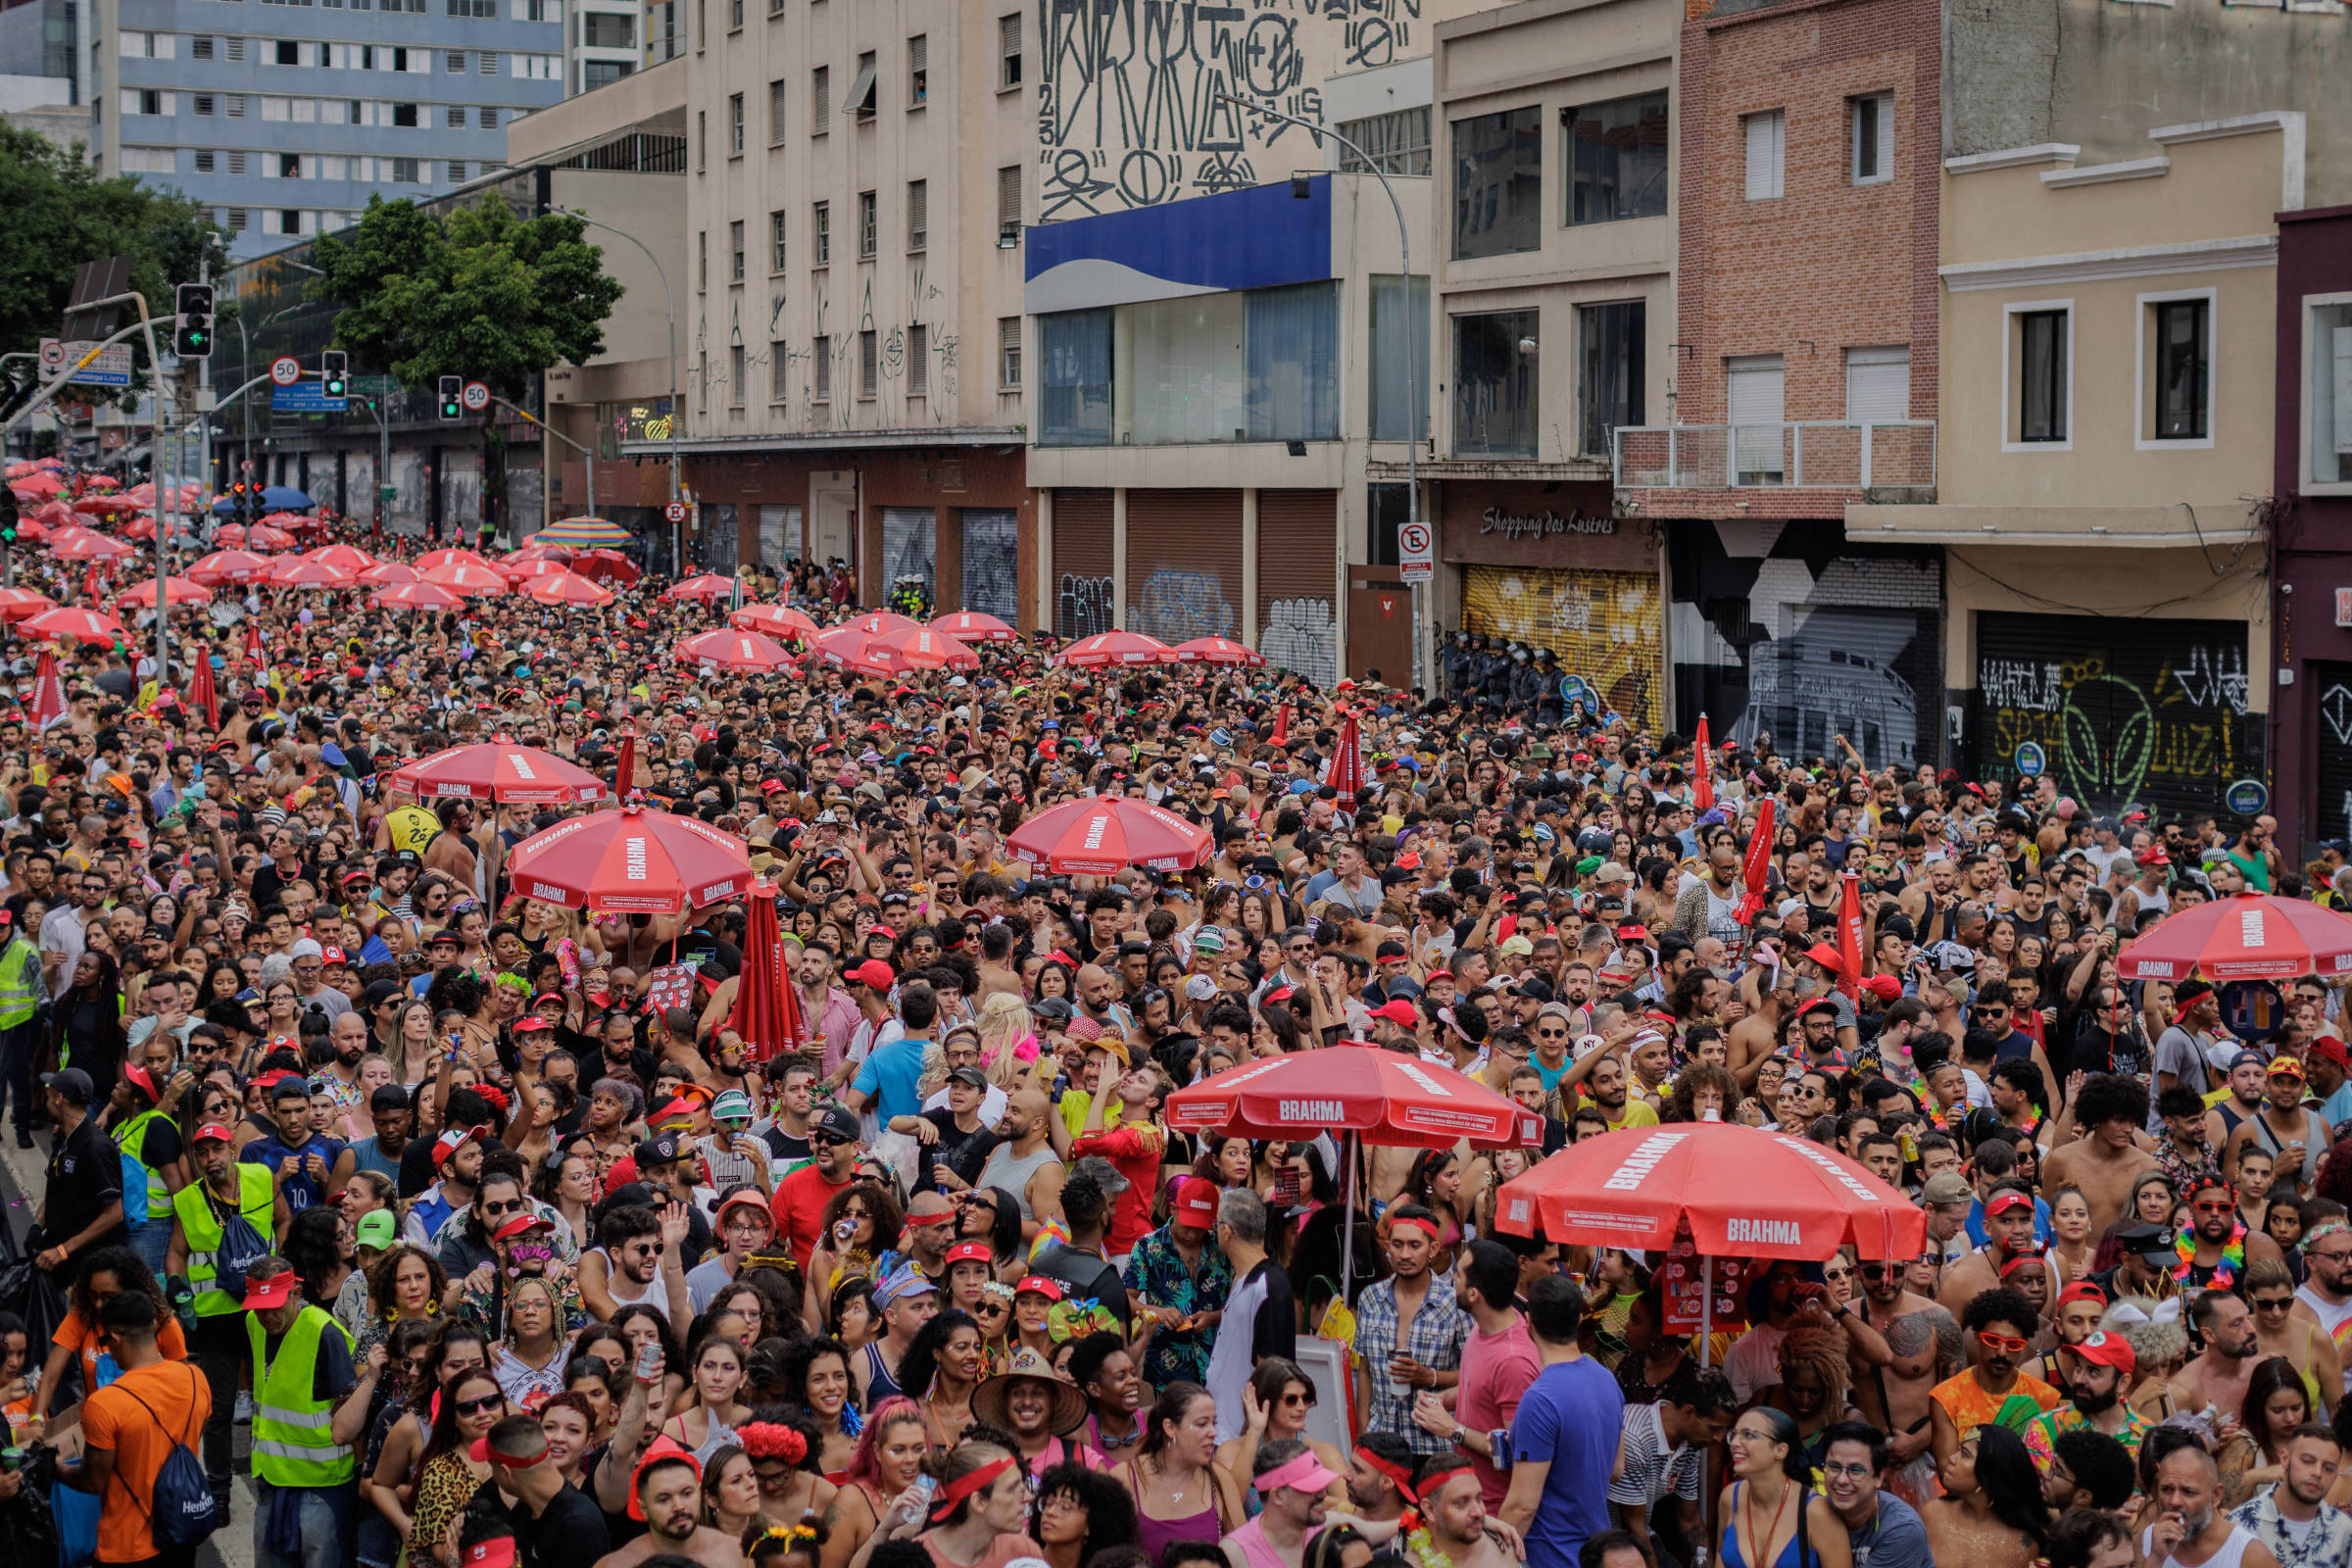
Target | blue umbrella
(274,498)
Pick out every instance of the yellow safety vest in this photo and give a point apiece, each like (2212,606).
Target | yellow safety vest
(293,1429)
(20,983)
(201,1227)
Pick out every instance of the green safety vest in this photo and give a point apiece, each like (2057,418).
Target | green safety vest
(131,1139)
(20,983)
(293,1431)
(257,1200)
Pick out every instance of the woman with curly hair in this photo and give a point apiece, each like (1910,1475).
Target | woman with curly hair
(404,1285)
(528,1360)
(1080,1511)
(105,1273)
(785,1458)
(940,1372)
(816,1382)
(890,1455)
(1815,1374)
(860,1223)
(1702,1087)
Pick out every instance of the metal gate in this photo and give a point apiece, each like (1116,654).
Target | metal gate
(909,549)
(2331,809)
(722,540)
(1184,563)
(1084,594)
(1297,574)
(779,537)
(992,549)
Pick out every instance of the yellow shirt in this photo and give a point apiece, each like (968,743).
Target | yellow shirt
(411,827)
(1638,1113)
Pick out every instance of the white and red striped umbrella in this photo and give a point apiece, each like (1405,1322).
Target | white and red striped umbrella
(923,648)
(260,536)
(472,581)
(523,570)
(709,587)
(1383,1097)
(140,597)
(850,649)
(1110,647)
(1100,835)
(433,560)
(776,621)
(747,651)
(971,626)
(633,860)
(567,588)
(351,557)
(81,544)
(2252,936)
(230,565)
(83,625)
(1217,650)
(415,596)
(500,770)
(390,574)
(877,621)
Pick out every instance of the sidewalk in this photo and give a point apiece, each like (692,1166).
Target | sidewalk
(22,1182)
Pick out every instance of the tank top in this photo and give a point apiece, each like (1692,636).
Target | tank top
(1012,1174)
(1255,1549)
(1156,1536)
(880,1382)
(1792,1556)
(652,1294)
(2228,1555)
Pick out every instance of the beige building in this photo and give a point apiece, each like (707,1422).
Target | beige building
(2107,387)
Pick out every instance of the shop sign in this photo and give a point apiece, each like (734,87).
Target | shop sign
(1549,525)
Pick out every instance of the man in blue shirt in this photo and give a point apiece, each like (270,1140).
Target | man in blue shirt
(309,1167)
(886,1081)
(1563,1440)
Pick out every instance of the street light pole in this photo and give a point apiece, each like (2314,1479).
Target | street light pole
(677,411)
(1413,394)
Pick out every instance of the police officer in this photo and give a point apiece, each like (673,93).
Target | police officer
(1455,660)
(1494,674)
(1549,707)
(1527,682)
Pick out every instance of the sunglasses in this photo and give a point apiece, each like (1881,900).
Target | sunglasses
(2270,1303)
(2002,1343)
(2222,1208)
(490,1401)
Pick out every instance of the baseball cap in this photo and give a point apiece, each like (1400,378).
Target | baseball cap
(2286,1068)
(837,1124)
(2003,1202)
(1945,1186)
(2153,855)
(662,1150)
(1399,1012)
(212,1132)
(143,1081)
(969,1075)
(272,1292)
(2244,1056)
(2330,1047)
(2102,1348)
(457,1138)
(1049,1289)
(907,1282)
(732,1104)
(377,1229)
(873,972)
(971,1252)
(71,1084)
(1197,1202)
(1885,987)
(2081,1290)
(519,1224)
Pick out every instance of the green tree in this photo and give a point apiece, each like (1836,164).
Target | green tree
(62,212)
(481,293)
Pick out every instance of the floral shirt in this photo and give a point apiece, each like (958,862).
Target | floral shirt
(2044,1430)
(2327,1543)
(1156,1273)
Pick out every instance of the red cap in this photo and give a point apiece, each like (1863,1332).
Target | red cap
(2108,1350)
(1049,1289)
(517,1224)
(531,1024)
(1885,987)
(212,1132)
(1823,954)
(2081,1290)
(972,1251)
(1196,1202)
(457,1138)
(329,957)
(140,1079)
(272,1292)
(2328,1045)
(2153,855)
(873,972)
(1399,1012)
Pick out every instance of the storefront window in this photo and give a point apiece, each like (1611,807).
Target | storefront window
(1074,403)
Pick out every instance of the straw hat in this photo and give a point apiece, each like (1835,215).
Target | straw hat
(990,1398)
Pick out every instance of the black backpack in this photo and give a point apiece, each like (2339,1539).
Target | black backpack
(183,1510)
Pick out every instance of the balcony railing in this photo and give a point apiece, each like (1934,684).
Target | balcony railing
(1804,454)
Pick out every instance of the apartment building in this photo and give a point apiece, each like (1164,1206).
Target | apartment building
(285,118)
(2311,700)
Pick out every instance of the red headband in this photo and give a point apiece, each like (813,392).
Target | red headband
(1438,1477)
(1416,1222)
(954,1492)
(1396,1473)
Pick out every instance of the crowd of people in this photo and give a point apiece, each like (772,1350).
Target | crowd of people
(472,1231)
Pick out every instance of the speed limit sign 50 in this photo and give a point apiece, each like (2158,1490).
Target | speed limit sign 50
(285,370)
(475,397)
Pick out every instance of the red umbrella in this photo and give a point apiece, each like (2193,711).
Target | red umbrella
(2250,937)
(202,694)
(22,603)
(433,560)
(415,596)
(1347,772)
(301,571)
(523,570)
(48,702)
(875,622)
(1115,648)
(1217,650)
(83,625)
(632,860)
(736,650)
(468,580)
(924,649)
(1098,835)
(230,565)
(140,596)
(624,768)
(1745,1191)
(260,536)
(389,574)
(563,587)
(351,557)
(849,648)
(500,770)
(971,626)
(776,621)
(1385,1097)
(767,1014)
(707,586)
(607,566)
(81,544)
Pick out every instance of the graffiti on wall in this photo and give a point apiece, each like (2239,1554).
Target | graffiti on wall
(1603,626)
(2151,712)
(1083,607)
(992,565)
(1303,636)
(1131,104)
(1176,605)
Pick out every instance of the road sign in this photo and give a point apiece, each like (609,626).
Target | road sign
(286,369)
(111,367)
(475,397)
(246,468)
(305,397)
(1416,551)
(385,491)
(675,511)
(2030,758)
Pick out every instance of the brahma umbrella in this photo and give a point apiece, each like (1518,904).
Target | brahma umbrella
(971,626)
(1102,835)
(923,649)
(849,648)
(607,566)
(22,603)
(140,597)
(300,572)
(81,625)
(503,771)
(746,651)
(434,559)
(82,544)
(1110,648)
(230,565)
(710,586)
(877,621)
(523,569)
(415,596)
(776,621)
(2251,936)
(389,574)
(631,861)
(467,578)
(1217,650)
(567,588)
(351,557)
(767,1011)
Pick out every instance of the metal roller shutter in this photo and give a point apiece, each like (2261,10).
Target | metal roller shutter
(991,563)
(1297,575)
(1184,563)
(2332,806)
(1083,591)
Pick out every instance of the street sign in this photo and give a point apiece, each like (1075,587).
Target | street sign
(1416,551)
(385,491)
(475,397)
(305,397)
(2030,758)
(246,468)
(675,511)
(286,369)
(111,367)
(2248,797)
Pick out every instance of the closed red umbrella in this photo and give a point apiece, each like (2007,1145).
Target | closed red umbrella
(1217,650)
(83,625)
(2252,936)
(736,650)
(633,860)
(1347,772)
(776,621)
(971,626)
(1110,647)
(767,1014)
(415,596)
(47,704)
(500,770)
(707,586)
(1097,836)
(1745,1191)
(22,603)
(561,587)
(203,695)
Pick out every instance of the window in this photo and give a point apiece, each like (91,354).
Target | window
(735,251)
(1871,135)
(151,101)
(861,88)
(1877,386)
(735,374)
(775,241)
(1387,508)
(1494,384)
(1759,439)
(289,221)
(1395,143)
(1293,358)
(1616,159)
(820,98)
(1611,346)
(735,125)
(918,71)
(702,259)
(918,214)
(735,23)
(456,62)
(919,361)
(236,106)
(237,220)
(1497,183)
(236,49)
(1008,50)
(775,113)
(486,62)
(1399,356)
(820,234)
(702,137)
(403,116)
(780,386)
(820,352)
(457,172)
(455,117)
(1008,202)
(202,103)
(200,48)
(596,74)
(205,162)
(2181,362)
(237,162)
(867,226)
(1073,353)
(869,366)
(287,52)
(606,30)
(1766,134)
(2327,390)
(400,60)
(486,118)
(403,172)
(1009,353)
(351,114)
(290,166)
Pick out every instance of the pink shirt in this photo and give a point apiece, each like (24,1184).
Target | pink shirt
(835,1024)
(1496,1369)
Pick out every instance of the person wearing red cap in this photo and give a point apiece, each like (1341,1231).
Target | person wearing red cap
(309,1407)
(223,1189)
(1179,1280)
(2100,1372)
(2008,1234)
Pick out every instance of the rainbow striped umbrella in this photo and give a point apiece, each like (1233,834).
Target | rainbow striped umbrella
(582,531)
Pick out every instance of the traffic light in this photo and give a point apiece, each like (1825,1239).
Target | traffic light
(7,515)
(451,408)
(240,501)
(193,339)
(331,372)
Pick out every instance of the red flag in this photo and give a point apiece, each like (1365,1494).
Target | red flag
(1756,868)
(624,774)
(201,695)
(254,655)
(1282,726)
(1849,936)
(48,691)
(1703,783)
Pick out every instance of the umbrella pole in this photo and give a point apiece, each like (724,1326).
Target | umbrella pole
(1347,1229)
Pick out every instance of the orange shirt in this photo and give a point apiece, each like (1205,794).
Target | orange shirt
(75,1335)
(112,1418)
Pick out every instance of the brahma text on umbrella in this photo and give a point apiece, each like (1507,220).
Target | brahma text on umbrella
(1310,1109)
(1643,1160)
(1770,1232)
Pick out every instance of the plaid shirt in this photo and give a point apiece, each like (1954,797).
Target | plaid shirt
(2326,1545)
(1435,1340)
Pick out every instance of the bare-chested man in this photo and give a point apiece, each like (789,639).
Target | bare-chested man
(2219,1375)
(1923,1343)
(669,1488)
(2008,1235)
(1770,993)
(2107,1159)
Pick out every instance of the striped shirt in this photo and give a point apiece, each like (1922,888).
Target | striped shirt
(1650,1469)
